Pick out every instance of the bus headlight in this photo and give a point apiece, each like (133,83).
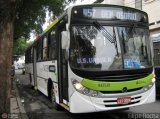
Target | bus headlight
(153,80)
(148,86)
(94,93)
(79,87)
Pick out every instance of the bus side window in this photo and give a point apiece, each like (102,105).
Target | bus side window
(45,48)
(26,56)
(39,50)
(52,45)
(31,55)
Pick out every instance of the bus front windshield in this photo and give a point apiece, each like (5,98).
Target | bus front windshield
(101,48)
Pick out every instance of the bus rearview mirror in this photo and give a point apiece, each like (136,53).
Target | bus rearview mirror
(64,42)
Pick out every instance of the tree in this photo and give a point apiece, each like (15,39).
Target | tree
(20,45)
(30,15)
(18,18)
(6,38)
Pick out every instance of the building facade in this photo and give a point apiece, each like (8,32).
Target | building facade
(152,8)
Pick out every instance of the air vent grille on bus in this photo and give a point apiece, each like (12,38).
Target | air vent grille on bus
(121,77)
(129,90)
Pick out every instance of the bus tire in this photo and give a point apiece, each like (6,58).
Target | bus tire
(30,81)
(52,96)
(53,99)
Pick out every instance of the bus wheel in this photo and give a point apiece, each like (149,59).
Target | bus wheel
(30,80)
(53,99)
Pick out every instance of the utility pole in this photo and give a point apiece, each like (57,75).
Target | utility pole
(138,4)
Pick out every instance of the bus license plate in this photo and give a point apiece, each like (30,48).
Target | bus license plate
(123,100)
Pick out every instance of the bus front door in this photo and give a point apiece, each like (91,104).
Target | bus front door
(35,68)
(62,73)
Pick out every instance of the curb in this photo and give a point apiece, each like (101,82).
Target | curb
(23,113)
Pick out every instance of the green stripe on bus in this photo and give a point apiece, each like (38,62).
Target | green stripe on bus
(117,86)
(52,24)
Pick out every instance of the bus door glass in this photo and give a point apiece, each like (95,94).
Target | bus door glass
(63,67)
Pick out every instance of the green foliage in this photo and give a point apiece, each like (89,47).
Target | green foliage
(20,46)
(30,15)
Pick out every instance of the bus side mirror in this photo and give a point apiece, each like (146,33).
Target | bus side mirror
(64,42)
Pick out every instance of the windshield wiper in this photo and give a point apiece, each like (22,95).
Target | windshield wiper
(115,43)
(104,31)
(108,36)
(130,31)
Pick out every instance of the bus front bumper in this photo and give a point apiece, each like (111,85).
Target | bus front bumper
(80,103)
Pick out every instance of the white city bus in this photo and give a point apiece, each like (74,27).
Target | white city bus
(94,58)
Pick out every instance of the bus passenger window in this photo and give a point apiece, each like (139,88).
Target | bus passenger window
(52,45)
(45,47)
(31,55)
(39,50)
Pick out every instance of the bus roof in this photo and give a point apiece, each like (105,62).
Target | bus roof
(111,5)
(70,8)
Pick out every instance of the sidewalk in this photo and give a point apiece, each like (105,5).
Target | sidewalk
(17,110)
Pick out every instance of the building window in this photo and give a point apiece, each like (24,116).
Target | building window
(153,23)
(147,1)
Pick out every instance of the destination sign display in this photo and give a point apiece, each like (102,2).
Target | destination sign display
(110,13)
(106,13)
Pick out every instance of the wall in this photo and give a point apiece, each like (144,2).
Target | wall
(117,2)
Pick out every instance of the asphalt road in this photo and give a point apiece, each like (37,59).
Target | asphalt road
(38,106)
